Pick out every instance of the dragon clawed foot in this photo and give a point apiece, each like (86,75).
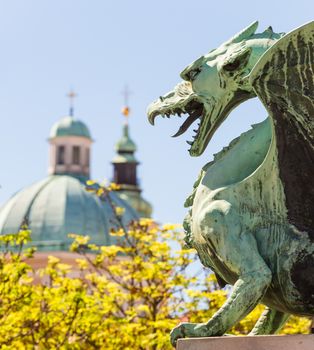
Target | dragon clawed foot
(190,330)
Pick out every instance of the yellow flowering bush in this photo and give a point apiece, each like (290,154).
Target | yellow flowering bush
(128,296)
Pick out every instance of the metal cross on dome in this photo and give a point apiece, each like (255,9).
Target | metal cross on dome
(72,95)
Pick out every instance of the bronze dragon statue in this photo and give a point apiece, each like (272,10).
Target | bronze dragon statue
(252,208)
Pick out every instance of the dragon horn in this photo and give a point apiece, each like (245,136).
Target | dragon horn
(269,30)
(244,34)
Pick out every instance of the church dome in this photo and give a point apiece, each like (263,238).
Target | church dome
(57,206)
(69,126)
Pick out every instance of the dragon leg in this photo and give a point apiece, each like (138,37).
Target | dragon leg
(247,292)
(240,253)
(270,322)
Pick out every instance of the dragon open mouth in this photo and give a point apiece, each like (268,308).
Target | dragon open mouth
(211,112)
(193,108)
(195,111)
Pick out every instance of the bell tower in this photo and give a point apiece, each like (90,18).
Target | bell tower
(125,168)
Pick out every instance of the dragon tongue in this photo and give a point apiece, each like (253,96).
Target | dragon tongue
(190,120)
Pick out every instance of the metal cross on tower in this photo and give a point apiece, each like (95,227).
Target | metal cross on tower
(126,109)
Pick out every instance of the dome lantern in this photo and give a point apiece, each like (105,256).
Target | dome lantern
(70,146)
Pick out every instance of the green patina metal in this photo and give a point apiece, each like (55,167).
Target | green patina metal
(57,206)
(69,126)
(125,148)
(251,217)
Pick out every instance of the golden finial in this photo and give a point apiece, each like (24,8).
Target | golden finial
(71,95)
(126,109)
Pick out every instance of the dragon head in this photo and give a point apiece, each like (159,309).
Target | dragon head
(214,84)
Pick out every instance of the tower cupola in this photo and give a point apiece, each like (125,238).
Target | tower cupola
(125,163)
(70,147)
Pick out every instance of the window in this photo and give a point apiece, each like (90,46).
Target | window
(87,157)
(76,155)
(61,155)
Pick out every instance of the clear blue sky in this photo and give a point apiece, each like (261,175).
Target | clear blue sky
(97,47)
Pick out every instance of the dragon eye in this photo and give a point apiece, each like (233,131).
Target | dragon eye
(239,61)
(193,73)
(229,67)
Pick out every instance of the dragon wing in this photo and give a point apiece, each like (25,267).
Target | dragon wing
(283,79)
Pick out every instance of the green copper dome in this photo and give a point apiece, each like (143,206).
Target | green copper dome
(57,206)
(68,126)
(125,144)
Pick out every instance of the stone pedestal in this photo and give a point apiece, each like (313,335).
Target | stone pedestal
(263,342)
